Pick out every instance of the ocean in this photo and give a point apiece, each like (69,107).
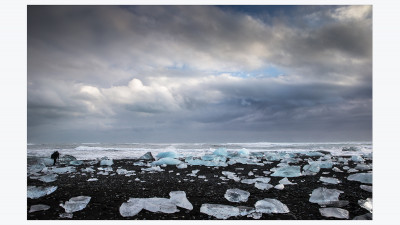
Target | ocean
(90,151)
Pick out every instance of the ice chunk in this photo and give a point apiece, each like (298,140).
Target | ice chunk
(366,188)
(244,153)
(357,158)
(153,169)
(366,204)
(250,174)
(62,170)
(285,181)
(65,159)
(139,163)
(258,179)
(121,171)
(365,178)
(366,216)
(350,149)
(76,204)
(352,170)
(221,152)
(337,170)
(287,171)
(363,167)
(132,207)
(76,162)
(92,179)
(269,205)
(36,168)
(147,156)
(219,211)
(329,180)
(48,178)
(160,205)
(181,166)
(263,186)
(170,154)
(179,199)
(325,196)
(39,207)
(236,195)
(279,187)
(166,161)
(106,162)
(334,212)
(87,170)
(245,210)
(66,215)
(35,192)
(231,175)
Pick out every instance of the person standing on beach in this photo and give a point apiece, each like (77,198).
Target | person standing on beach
(55,156)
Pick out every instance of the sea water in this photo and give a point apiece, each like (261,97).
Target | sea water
(90,151)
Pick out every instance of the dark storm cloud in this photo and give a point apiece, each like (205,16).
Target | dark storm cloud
(149,72)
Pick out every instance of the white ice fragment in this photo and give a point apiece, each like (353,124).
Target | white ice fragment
(337,170)
(106,162)
(250,174)
(179,199)
(76,163)
(285,181)
(35,192)
(329,180)
(366,187)
(236,195)
(62,170)
(76,204)
(66,215)
(231,175)
(48,178)
(357,158)
(325,196)
(181,166)
(219,211)
(166,161)
(269,205)
(334,212)
(279,187)
(263,186)
(152,169)
(132,207)
(363,167)
(163,205)
(365,178)
(287,171)
(92,179)
(147,156)
(170,154)
(88,170)
(352,170)
(39,207)
(366,204)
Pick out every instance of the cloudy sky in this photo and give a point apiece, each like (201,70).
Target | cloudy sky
(199,73)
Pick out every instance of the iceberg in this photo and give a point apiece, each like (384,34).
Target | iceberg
(170,154)
(35,192)
(365,178)
(180,200)
(219,211)
(334,212)
(166,161)
(329,180)
(236,195)
(39,207)
(366,204)
(147,156)
(48,178)
(269,205)
(76,204)
(325,196)
(287,171)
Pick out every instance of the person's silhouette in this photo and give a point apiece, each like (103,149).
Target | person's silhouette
(55,156)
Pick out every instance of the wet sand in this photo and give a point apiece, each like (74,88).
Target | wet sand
(110,191)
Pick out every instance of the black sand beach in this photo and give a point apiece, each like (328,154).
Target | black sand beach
(110,191)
